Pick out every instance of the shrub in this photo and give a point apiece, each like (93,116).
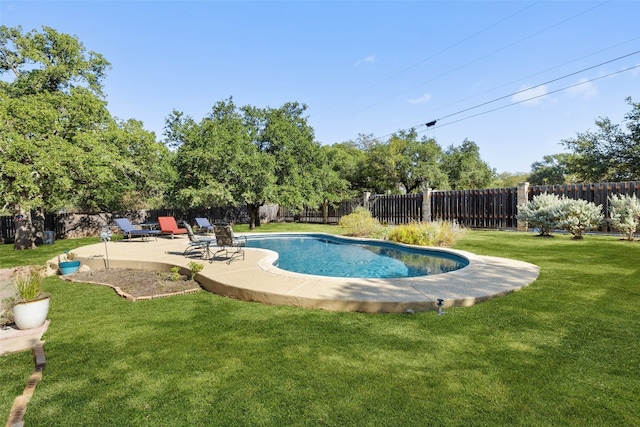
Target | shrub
(543,213)
(625,214)
(196,267)
(578,216)
(360,223)
(437,233)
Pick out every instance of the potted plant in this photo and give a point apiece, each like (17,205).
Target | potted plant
(31,306)
(69,265)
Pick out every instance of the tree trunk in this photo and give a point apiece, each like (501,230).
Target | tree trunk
(254,215)
(325,211)
(24,238)
(38,227)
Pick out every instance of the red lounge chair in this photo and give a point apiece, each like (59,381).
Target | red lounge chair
(168,225)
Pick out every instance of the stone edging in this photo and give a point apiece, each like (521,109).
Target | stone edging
(19,406)
(130,297)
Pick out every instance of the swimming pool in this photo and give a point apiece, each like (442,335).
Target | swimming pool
(332,256)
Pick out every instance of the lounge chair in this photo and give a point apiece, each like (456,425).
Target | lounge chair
(168,225)
(202,244)
(232,246)
(204,224)
(128,230)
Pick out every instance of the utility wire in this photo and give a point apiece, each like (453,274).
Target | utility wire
(539,85)
(536,97)
(534,74)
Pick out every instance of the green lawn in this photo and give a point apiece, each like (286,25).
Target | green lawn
(563,351)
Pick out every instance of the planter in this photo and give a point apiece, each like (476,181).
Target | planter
(31,314)
(68,267)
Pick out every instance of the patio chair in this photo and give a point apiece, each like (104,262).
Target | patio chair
(168,225)
(232,246)
(204,224)
(201,244)
(129,231)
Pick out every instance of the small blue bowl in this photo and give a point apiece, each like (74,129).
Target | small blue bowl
(69,267)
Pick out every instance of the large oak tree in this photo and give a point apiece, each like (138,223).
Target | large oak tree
(59,145)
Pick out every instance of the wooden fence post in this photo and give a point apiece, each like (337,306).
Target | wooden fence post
(426,205)
(522,198)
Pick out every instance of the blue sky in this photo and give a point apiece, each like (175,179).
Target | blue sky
(368,67)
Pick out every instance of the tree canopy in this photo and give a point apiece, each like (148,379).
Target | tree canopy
(60,146)
(249,156)
(609,153)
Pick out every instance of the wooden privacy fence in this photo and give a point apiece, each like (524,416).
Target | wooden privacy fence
(396,209)
(489,208)
(492,208)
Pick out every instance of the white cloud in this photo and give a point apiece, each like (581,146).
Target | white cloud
(583,89)
(366,60)
(530,96)
(421,99)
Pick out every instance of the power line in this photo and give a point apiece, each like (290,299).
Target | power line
(539,96)
(432,124)
(541,84)
(534,74)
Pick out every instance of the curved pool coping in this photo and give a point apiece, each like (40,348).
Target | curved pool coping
(256,278)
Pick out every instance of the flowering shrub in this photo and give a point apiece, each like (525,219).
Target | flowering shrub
(625,214)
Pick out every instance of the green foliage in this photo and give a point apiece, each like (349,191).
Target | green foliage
(175,273)
(28,284)
(552,170)
(509,180)
(195,267)
(464,167)
(624,214)
(578,216)
(436,233)
(610,153)
(249,156)
(404,160)
(61,149)
(359,223)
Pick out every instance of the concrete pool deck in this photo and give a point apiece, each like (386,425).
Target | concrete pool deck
(256,279)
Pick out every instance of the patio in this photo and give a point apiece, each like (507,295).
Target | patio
(256,279)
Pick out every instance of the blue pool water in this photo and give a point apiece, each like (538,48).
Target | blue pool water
(331,256)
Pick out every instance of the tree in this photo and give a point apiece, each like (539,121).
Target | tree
(610,153)
(552,170)
(405,161)
(348,161)
(508,179)
(60,146)
(464,167)
(249,156)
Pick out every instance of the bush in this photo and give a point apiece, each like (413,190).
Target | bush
(360,223)
(625,214)
(543,213)
(578,216)
(437,233)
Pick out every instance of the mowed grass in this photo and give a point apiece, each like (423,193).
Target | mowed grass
(563,351)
